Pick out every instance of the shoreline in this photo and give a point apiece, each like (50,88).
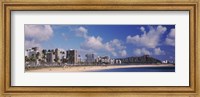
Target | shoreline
(94,68)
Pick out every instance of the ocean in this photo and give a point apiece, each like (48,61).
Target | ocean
(140,69)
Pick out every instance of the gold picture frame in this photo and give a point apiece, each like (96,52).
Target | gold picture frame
(123,5)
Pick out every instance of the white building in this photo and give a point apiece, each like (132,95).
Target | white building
(112,61)
(165,62)
(117,61)
(104,60)
(32,52)
(62,55)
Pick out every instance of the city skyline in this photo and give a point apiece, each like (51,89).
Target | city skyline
(113,40)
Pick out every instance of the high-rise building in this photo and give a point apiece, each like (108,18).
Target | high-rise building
(90,58)
(112,61)
(72,56)
(62,56)
(50,57)
(57,55)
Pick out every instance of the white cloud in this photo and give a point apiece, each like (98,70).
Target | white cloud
(114,53)
(123,53)
(82,29)
(150,39)
(93,43)
(170,40)
(96,43)
(172,33)
(158,51)
(30,44)
(142,51)
(81,32)
(113,45)
(64,36)
(35,34)
(142,29)
(117,43)
(38,32)
(109,47)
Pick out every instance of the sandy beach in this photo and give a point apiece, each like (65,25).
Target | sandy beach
(93,68)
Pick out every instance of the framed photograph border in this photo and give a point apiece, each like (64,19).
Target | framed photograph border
(7,7)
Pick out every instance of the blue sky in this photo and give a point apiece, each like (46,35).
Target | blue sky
(112,40)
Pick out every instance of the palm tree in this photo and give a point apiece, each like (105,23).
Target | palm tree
(26,59)
(37,55)
(32,58)
(44,53)
(62,52)
(56,59)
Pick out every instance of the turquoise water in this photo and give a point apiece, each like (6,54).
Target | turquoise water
(141,69)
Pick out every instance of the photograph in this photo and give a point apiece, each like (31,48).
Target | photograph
(93,48)
(99,48)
